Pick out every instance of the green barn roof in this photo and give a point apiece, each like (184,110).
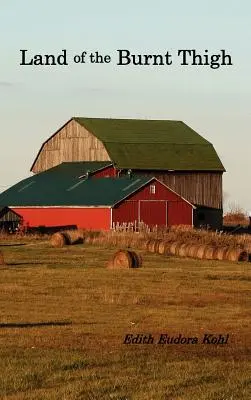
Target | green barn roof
(48,189)
(153,144)
(74,169)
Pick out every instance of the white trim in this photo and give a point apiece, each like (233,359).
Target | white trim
(134,191)
(111,218)
(175,192)
(146,183)
(166,212)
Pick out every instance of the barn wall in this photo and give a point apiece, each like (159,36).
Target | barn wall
(208,217)
(161,193)
(71,143)
(154,209)
(203,188)
(88,218)
(109,171)
(180,213)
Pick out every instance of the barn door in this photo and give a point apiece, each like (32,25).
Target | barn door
(153,212)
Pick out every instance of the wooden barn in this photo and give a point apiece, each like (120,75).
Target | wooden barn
(170,151)
(70,195)
(9,219)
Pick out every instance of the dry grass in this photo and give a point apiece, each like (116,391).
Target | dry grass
(64,318)
(236,218)
(174,234)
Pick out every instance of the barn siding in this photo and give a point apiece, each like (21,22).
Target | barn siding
(126,212)
(105,172)
(203,188)
(88,218)
(154,209)
(179,213)
(153,212)
(71,143)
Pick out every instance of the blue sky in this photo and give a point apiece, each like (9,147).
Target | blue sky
(37,100)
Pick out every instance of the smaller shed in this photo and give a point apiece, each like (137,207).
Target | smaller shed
(9,219)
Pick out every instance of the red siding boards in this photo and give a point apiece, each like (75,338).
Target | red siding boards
(154,204)
(162,208)
(180,213)
(153,212)
(109,171)
(127,211)
(89,218)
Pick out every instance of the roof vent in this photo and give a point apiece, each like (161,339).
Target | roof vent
(86,175)
(129,173)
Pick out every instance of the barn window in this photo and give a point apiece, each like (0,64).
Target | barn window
(152,189)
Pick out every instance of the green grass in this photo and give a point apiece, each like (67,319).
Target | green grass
(64,317)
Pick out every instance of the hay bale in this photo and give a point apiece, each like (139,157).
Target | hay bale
(192,250)
(122,259)
(137,259)
(58,239)
(174,248)
(153,245)
(209,253)
(200,251)
(236,254)
(73,237)
(182,250)
(164,247)
(220,253)
(1,259)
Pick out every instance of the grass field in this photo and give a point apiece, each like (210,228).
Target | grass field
(64,318)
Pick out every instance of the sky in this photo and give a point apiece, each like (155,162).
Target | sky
(36,100)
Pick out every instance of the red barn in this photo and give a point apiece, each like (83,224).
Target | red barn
(54,198)
(168,150)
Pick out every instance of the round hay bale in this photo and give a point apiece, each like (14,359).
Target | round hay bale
(73,237)
(122,259)
(192,250)
(174,248)
(164,247)
(58,239)
(209,253)
(200,251)
(1,259)
(137,259)
(236,255)
(153,245)
(182,250)
(220,253)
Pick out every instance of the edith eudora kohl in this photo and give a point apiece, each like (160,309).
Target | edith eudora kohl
(164,338)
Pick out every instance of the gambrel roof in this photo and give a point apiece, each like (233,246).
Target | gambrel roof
(152,144)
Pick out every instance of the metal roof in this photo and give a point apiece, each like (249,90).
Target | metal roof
(74,169)
(153,144)
(50,189)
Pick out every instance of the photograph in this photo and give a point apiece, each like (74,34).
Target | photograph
(125,209)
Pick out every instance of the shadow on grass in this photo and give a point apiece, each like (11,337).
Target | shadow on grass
(33,324)
(13,244)
(29,263)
